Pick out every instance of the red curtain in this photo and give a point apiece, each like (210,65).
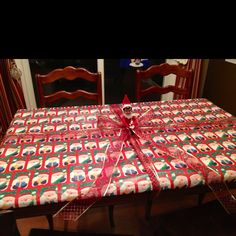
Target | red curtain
(11,94)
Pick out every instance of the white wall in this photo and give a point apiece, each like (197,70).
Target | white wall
(26,81)
(100,68)
(169,80)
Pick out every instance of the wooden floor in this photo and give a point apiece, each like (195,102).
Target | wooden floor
(129,219)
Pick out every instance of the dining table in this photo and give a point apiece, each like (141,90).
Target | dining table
(50,157)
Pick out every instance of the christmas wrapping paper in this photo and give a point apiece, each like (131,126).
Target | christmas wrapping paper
(54,155)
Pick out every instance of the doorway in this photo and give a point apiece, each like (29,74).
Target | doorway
(119,79)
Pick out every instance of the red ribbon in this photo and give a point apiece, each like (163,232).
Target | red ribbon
(131,130)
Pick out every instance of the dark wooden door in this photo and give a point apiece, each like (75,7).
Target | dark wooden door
(220,85)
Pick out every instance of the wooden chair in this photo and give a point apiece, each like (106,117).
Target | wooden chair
(69,73)
(182,90)
(183,83)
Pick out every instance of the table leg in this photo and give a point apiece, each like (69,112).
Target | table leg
(111,215)
(50,221)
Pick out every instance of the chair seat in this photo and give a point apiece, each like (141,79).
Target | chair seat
(47,232)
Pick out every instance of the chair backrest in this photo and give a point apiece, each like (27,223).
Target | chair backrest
(183,83)
(68,73)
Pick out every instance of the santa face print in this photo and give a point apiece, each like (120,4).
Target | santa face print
(203,147)
(164,183)
(18,122)
(84,112)
(7,202)
(223,160)
(77,175)
(129,169)
(3,166)
(45,149)
(127,187)
(69,119)
(161,165)
(105,110)
(181,181)
(75,147)
(100,157)
(26,200)
(176,163)
(94,173)
(229,145)
(3,183)
(48,128)
(11,140)
(74,127)
(69,194)
(60,148)
(34,164)
(68,160)
(52,162)
(144,185)
(48,197)
(20,182)
(210,135)
(40,179)
(230,175)
(73,112)
(159,140)
(58,177)
(90,145)
(79,119)
(85,158)
(56,120)
(197,136)
(54,138)
(111,190)
(18,165)
(11,152)
(195,179)
(39,114)
(30,150)
(190,148)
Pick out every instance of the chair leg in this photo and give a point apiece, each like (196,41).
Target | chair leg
(148,209)
(66,224)
(50,221)
(8,224)
(111,215)
(200,198)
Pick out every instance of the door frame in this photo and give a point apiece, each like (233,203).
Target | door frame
(27,83)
